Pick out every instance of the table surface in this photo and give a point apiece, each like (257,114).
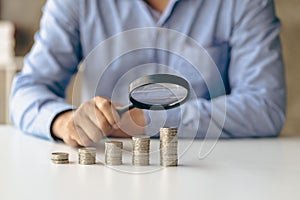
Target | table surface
(235,169)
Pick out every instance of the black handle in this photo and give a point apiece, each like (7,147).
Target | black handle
(121,111)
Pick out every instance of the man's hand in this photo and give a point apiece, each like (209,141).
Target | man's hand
(95,119)
(131,123)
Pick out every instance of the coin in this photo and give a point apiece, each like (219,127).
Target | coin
(87,156)
(60,158)
(87,150)
(168,147)
(60,161)
(141,148)
(113,152)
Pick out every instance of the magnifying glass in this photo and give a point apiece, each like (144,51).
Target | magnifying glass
(157,92)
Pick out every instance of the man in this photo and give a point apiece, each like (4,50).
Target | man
(242,36)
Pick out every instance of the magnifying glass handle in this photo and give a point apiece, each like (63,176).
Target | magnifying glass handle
(121,111)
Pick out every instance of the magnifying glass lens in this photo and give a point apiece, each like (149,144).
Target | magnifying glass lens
(157,92)
(160,94)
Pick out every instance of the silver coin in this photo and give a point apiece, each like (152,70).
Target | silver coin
(113,144)
(87,150)
(59,156)
(141,138)
(169,164)
(87,156)
(141,148)
(86,163)
(60,161)
(113,152)
(168,147)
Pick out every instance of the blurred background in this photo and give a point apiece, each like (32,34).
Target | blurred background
(19,20)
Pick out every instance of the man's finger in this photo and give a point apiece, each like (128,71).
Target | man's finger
(108,110)
(103,124)
(81,137)
(92,130)
(71,142)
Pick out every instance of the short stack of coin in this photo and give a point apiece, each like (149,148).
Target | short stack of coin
(87,156)
(113,152)
(60,158)
(141,148)
(168,147)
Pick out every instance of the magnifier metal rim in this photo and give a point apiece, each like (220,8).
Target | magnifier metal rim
(157,78)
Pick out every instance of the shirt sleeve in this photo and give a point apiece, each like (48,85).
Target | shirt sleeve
(256,104)
(39,90)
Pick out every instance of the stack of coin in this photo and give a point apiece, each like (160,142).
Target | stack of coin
(113,152)
(60,158)
(87,156)
(141,147)
(168,147)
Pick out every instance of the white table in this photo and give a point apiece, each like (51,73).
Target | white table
(236,169)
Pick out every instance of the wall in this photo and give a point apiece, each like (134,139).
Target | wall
(25,14)
(2,93)
(288,11)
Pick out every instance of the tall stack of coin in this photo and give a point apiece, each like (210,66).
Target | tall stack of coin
(113,152)
(141,147)
(87,156)
(60,158)
(168,147)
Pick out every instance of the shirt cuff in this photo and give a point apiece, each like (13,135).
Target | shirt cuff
(48,113)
